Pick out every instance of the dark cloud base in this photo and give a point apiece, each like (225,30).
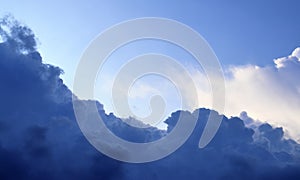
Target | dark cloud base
(40,139)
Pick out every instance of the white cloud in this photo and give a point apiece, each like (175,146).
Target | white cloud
(269,93)
(293,59)
(296,53)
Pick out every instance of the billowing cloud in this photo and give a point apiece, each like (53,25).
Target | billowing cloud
(40,139)
(268,93)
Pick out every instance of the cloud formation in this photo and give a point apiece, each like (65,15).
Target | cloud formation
(40,139)
(268,93)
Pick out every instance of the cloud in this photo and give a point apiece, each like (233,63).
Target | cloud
(40,138)
(291,60)
(38,130)
(232,154)
(268,93)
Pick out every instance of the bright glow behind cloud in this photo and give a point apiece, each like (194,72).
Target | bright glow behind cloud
(268,93)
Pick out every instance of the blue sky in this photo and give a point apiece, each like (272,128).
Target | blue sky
(240,32)
(42,136)
(244,33)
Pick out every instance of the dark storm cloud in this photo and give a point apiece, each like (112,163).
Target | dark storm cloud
(40,139)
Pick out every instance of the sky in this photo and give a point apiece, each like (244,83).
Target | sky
(47,133)
(248,32)
(242,34)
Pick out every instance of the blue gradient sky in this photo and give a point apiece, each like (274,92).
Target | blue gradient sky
(40,136)
(245,32)
(250,33)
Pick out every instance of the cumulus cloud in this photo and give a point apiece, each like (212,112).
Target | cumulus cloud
(232,154)
(268,93)
(40,139)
